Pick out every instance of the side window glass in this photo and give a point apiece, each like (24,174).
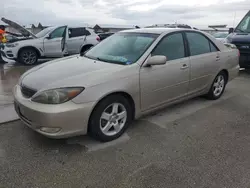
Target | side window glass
(57,33)
(213,48)
(171,46)
(77,32)
(86,32)
(198,44)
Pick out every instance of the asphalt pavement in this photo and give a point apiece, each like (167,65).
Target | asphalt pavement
(197,143)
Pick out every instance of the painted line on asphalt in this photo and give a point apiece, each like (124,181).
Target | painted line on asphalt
(93,145)
(181,110)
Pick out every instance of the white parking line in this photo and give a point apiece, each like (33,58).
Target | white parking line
(93,145)
(182,110)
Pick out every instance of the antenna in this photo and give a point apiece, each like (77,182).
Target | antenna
(234,18)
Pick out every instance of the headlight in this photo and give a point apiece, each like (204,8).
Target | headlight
(56,96)
(11,45)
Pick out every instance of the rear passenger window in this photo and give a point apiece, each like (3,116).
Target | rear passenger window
(213,48)
(78,32)
(171,46)
(198,44)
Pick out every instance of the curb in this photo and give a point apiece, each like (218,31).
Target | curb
(9,121)
(7,114)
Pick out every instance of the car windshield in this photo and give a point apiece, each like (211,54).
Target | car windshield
(44,32)
(122,48)
(244,25)
(220,35)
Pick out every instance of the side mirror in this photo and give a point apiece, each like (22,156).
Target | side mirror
(231,30)
(157,60)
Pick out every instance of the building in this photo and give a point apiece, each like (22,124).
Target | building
(35,29)
(214,28)
(111,28)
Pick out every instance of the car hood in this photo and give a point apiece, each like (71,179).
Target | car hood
(72,71)
(18,27)
(239,38)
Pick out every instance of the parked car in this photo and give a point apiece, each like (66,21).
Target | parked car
(129,74)
(104,35)
(183,26)
(50,42)
(240,36)
(221,36)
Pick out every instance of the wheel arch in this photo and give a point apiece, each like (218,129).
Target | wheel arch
(85,46)
(225,71)
(121,93)
(29,47)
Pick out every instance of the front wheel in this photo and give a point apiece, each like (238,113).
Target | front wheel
(218,87)
(28,56)
(110,118)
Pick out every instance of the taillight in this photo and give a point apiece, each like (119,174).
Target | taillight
(98,39)
(239,53)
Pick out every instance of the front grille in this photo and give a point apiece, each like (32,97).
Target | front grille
(27,92)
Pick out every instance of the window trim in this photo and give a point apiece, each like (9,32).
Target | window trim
(168,34)
(209,41)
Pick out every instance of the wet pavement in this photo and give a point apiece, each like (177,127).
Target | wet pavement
(195,144)
(10,73)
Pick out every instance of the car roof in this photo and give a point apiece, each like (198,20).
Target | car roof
(155,30)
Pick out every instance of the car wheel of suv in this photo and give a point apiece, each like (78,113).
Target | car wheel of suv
(110,118)
(27,56)
(218,86)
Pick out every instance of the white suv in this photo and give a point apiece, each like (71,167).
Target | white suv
(50,42)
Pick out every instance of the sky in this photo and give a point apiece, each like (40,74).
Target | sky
(197,13)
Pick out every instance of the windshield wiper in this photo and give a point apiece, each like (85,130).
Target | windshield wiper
(109,61)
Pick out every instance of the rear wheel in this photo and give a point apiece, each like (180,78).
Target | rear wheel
(28,56)
(110,118)
(218,86)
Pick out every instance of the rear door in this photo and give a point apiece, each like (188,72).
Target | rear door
(54,45)
(77,37)
(204,61)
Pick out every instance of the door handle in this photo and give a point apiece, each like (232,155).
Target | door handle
(217,58)
(184,66)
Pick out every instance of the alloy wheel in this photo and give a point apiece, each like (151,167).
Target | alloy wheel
(29,57)
(113,119)
(218,85)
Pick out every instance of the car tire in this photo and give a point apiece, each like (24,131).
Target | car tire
(110,118)
(218,87)
(28,56)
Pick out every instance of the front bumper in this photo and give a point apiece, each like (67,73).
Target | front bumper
(8,53)
(54,121)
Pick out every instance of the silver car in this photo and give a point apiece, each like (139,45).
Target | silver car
(129,74)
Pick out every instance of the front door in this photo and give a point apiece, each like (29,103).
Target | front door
(54,45)
(164,83)
(204,61)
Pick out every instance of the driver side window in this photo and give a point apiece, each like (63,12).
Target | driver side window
(171,46)
(57,33)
